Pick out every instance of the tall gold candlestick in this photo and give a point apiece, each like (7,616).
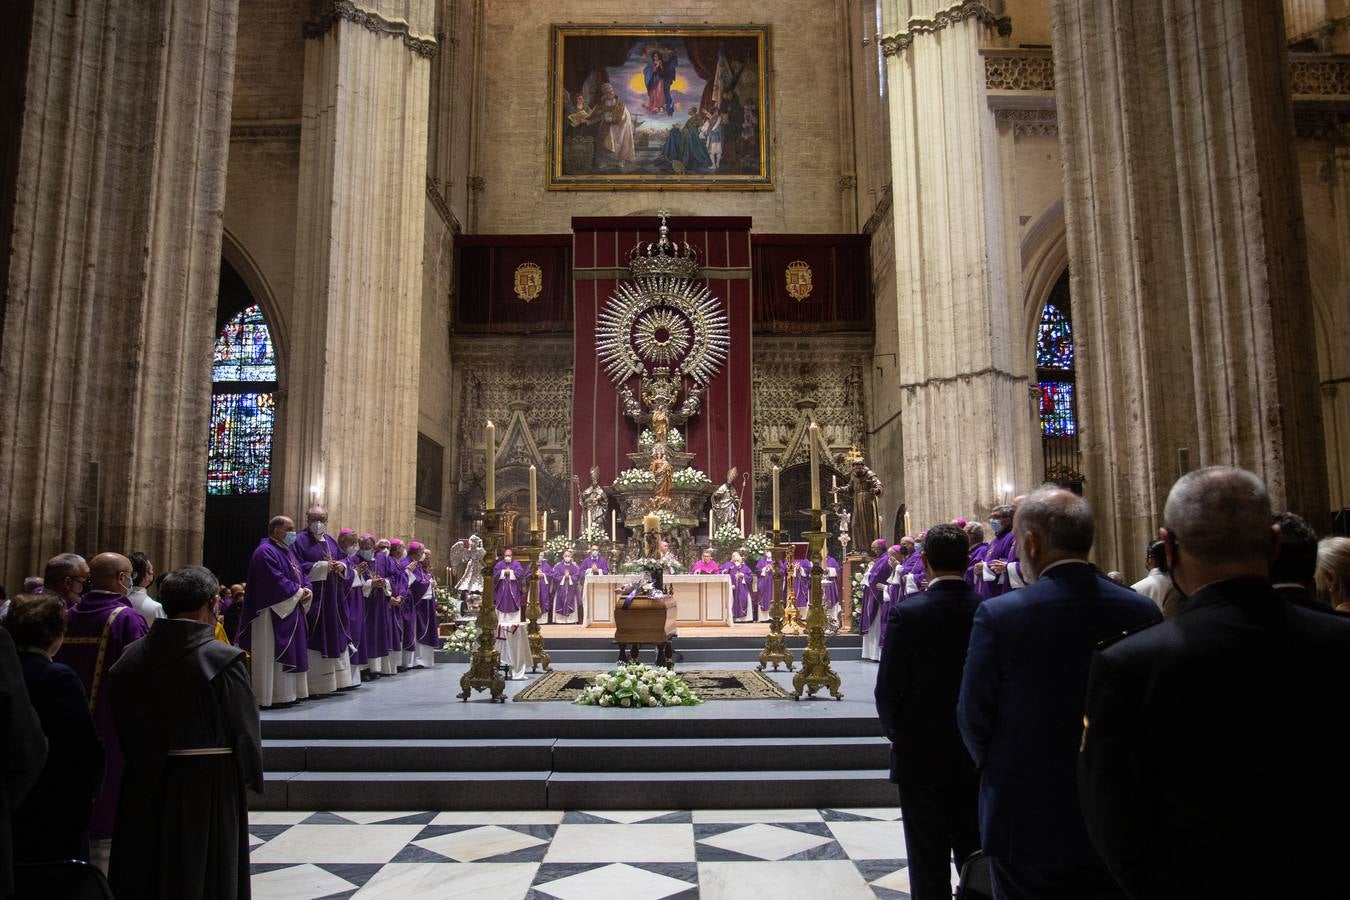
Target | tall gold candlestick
(534,501)
(491,453)
(776,524)
(815,467)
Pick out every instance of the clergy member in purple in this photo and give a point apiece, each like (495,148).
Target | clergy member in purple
(870,623)
(829,589)
(403,636)
(916,576)
(765,572)
(742,577)
(98,628)
(566,589)
(326,619)
(422,596)
(706,565)
(508,578)
(991,572)
(372,588)
(978,546)
(799,579)
(272,627)
(544,580)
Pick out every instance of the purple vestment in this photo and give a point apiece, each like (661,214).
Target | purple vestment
(422,601)
(976,555)
(705,567)
(914,566)
(799,576)
(1001,548)
(546,587)
(765,570)
(566,589)
(354,609)
(375,614)
(742,577)
(506,587)
(86,626)
(326,619)
(594,562)
(405,616)
(873,582)
(274,575)
(829,585)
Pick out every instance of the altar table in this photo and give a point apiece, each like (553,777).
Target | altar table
(699,599)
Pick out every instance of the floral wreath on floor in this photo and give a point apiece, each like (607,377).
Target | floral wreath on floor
(638,686)
(463,638)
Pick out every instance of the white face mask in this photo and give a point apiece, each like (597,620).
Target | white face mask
(316,528)
(367,554)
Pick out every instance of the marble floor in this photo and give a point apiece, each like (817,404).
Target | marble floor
(632,855)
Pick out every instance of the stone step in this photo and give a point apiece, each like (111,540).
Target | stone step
(582,723)
(743,655)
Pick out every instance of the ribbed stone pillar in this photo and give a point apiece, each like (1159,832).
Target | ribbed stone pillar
(352,377)
(1190,286)
(109,316)
(963,409)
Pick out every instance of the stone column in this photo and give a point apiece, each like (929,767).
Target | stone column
(963,407)
(352,377)
(114,252)
(1186,246)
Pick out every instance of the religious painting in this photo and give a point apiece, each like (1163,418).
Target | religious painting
(660,107)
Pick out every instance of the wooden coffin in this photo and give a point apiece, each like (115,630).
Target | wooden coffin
(647,620)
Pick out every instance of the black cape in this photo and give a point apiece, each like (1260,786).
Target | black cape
(182,821)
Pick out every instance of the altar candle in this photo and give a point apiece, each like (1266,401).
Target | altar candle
(491,453)
(614,526)
(534,501)
(544,527)
(569,524)
(815,467)
(907,528)
(742,521)
(776,524)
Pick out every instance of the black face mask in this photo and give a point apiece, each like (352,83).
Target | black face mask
(87,585)
(1172,571)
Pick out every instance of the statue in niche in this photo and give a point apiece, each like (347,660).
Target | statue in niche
(664,473)
(865,487)
(726,504)
(593,503)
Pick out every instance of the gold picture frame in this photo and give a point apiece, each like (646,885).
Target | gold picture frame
(660,107)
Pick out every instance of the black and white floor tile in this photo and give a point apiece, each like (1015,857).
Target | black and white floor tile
(583,855)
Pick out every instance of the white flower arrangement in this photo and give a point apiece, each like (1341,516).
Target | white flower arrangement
(638,686)
(727,535)
(463,638)
(674,440)
(554,547)
(690,477)
(755,544)
(629,477)
(667,519)
(593,535)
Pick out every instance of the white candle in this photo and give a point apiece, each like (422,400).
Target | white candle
(815,467)
(742,521)
(534,501)
(614,526)
(569,524)
(490,450)
(776,524)
(907,531)
(544,526)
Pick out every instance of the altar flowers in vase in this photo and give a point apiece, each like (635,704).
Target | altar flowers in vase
(742,576)
(765,571)
(829,589)
(508,577)
(706,565)
(566,590)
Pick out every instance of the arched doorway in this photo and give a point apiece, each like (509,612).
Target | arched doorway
(242,423)
(1056,379)
(794,487)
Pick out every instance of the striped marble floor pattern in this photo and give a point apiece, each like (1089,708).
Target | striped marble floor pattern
(629,855)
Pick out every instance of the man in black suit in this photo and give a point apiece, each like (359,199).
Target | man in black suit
(917,686)
(1208,764)
(1293,568)
(1021,706)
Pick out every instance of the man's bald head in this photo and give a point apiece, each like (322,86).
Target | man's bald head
(106,571)
(1218,514)
(1051,525)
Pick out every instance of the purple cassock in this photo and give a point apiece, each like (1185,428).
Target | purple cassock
(705,567)
(98,628)
(799,582)
(742,577)
(353,611)
(274,575)
(765,570)
(545,588)
(422,600)
(829,584)
(914,566)
(402,635)
(976,555)
(327,630)
(508,576)
(375,615)
(566,589)
(873,584)
(594,565)
(1002,548)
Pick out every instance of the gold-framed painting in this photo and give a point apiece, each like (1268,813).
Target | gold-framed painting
(662,107)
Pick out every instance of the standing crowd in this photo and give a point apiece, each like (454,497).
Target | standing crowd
(1085,740)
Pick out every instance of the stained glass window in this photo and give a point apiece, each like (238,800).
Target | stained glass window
(1054,340)
(244,349)
(1057,418)
(239,460)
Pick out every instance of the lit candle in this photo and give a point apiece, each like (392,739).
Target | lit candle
(776,524)
(742,521)
(907,528)
(534,501)
(544,527)
(815,467)
(614,526)
(569,524)
(491,454)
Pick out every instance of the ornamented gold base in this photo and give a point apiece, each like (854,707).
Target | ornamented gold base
(775,646)
(485,672)
(533,610)
(816,672)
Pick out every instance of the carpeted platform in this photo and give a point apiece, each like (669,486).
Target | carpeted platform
(709,684)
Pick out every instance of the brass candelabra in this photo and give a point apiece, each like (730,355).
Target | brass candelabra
(815,672)
(485,664)
(775,644)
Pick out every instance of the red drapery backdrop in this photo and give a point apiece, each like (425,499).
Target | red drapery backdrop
(719,435)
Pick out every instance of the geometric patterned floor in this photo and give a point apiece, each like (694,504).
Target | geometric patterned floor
(630,855)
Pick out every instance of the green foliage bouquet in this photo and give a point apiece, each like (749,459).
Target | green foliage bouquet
(638,686)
